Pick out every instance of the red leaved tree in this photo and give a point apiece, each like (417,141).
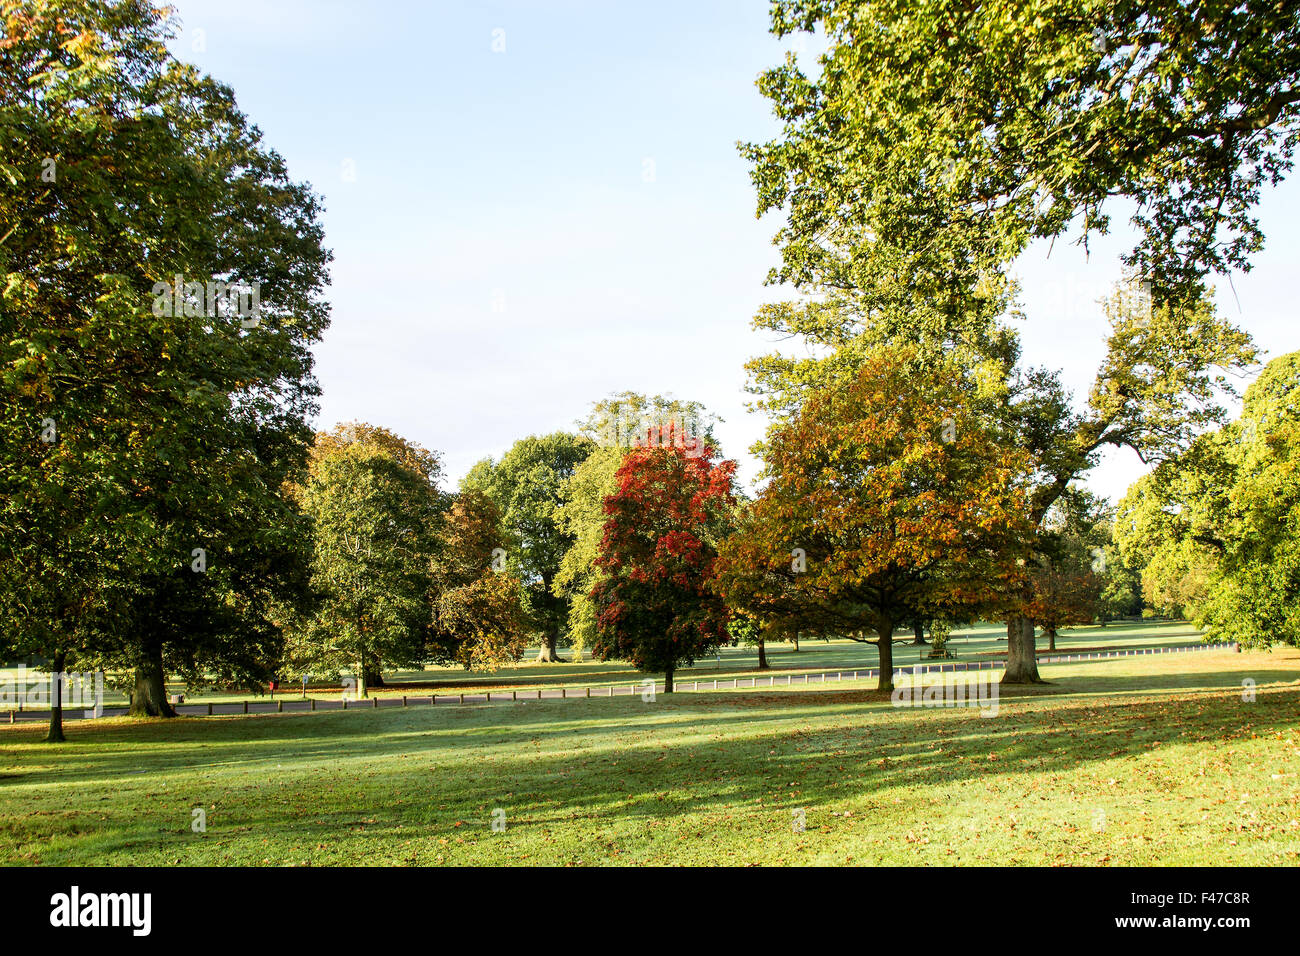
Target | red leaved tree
(655,603)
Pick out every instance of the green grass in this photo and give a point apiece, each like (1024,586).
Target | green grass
(981,642)
(1184,771)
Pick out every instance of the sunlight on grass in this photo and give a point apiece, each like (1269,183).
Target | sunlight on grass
(1142,760)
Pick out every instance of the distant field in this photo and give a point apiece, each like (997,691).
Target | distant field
(1151,760)
(982,642)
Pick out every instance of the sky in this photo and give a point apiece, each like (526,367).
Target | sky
(535,205)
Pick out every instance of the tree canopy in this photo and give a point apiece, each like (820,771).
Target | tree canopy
(526,486)
(150,412)
(655,602)
(1217,530)
(888,500)
(937,138)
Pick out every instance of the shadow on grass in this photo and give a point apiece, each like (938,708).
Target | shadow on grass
(686,757)
(1064,724)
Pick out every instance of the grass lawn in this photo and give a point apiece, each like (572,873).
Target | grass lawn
(1135,761)
(981,642)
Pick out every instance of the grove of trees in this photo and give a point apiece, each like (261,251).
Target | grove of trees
(167,510)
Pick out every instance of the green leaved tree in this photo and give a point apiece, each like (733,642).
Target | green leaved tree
(1216,531)
(377,519)
(526,487)
(136,431)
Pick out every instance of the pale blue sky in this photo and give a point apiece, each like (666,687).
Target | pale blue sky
(520,233)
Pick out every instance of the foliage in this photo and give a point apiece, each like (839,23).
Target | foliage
(888,500)
(915,166)
(616,424)
(478,611)
(1121,584)
(376,523)
(939,137)
(623,419)
(655,602)
(582,516)
(525,485)
(1218,529)
(1066,577)
(133,435)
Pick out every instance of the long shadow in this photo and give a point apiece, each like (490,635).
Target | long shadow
(788,766)
(412,727)
(239,741)
(835,764)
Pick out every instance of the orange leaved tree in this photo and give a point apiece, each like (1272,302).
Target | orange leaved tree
(889,499)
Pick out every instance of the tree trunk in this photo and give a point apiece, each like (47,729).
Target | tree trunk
(55,736)
(1022,656)
(548,655)
(373,677)
(1050,631)
(918,631)
(149,698)
(762,655)
(796,643)
(362,690)
(668,681)
(886,653)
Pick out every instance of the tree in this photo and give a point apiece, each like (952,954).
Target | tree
(478,610)
(655,602)
(616,424)
(624,419)
(134,420)
(956,133)
(1169,526)
(917,166)
(1065,593)
(376,522)
(745,629)
(581,516)
(887,500)
(1121,584)
(525,485)
(1227,513)
(1066,578)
